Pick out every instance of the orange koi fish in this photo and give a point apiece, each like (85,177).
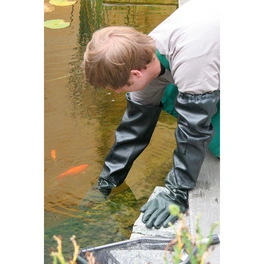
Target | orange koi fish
(53,154)
(73,171)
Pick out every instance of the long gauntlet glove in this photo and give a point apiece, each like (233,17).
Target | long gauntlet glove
(193,135)
(131,138)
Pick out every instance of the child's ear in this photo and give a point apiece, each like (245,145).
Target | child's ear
(136,73)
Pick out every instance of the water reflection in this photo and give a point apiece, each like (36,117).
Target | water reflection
(80,122)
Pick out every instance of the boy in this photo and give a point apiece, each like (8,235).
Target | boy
(183,50)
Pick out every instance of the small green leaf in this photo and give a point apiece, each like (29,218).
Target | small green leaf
(56,24)
(62,2)
(174,209)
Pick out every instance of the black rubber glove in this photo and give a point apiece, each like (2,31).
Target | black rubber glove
(94,196)
(157,213)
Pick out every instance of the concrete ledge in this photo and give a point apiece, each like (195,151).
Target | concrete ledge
(204,201)
(139,228)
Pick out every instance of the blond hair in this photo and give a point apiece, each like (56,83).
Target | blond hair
(113,52)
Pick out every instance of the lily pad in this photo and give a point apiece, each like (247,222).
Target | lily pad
(62,2)
(56,24)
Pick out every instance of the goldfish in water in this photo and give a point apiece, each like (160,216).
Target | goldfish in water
(73,171)
(53,154)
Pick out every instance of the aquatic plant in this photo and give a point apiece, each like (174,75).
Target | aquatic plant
(56,24)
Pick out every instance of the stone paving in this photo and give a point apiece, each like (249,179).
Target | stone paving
(204,200)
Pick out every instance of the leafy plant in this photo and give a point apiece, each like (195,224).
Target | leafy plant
(59,255)
(197,249)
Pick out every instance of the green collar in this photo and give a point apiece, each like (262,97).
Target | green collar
(163,60)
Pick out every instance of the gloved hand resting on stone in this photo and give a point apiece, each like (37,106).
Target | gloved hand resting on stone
(157,213)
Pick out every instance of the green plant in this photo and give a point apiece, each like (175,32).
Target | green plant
(196,248)
(59,255)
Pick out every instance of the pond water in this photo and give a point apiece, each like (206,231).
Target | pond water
(80,122)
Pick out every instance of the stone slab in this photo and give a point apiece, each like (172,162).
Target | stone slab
(204,201)
(139,228)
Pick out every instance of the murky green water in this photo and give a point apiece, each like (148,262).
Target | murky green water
(80,122)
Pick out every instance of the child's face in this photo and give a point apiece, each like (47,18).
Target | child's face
(139,79)
(136,82)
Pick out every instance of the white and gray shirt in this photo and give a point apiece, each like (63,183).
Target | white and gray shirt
(190,40)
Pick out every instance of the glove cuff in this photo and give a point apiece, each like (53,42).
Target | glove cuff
(179,197)
(104,186)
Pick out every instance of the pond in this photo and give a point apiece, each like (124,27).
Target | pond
(79,126)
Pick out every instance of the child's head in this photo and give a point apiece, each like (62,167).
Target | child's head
(113,52)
